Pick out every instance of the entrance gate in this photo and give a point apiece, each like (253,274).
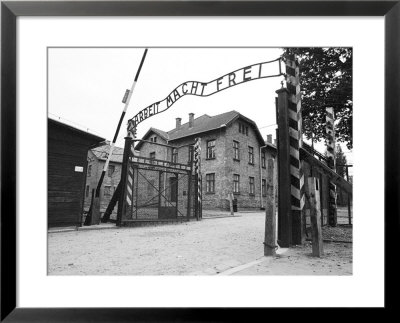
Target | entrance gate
(159,189)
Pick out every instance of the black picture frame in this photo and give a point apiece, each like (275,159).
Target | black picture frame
(10,10)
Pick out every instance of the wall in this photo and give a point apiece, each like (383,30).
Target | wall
(242,167)
(66,149)
(223,166)
(92,181)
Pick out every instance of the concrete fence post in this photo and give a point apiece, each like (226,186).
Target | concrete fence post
(270,241)
(315,210)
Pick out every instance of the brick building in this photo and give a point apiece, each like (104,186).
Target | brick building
(233,156)
(96,160)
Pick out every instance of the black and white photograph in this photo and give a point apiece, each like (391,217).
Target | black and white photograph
(200,161)
(187,160)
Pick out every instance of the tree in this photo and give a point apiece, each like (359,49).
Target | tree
(326,81)
(340,160)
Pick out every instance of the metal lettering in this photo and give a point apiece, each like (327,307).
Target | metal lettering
(206,89)
(246,71)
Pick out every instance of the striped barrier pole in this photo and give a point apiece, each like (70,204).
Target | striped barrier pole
(295,143)
(125,100)
(331,154)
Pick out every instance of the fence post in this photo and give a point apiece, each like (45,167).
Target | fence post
(330,149)
(270,212)
(122,203)
(348,196)
(315,209)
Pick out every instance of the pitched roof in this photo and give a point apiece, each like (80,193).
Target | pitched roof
(203,124)
(96,139)
(159,132)
(270,145)
(103,151)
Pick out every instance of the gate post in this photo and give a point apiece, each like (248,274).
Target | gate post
(284,213)
(291,177)
(330,149)
(190,181)
(197,166)
(295,143)
(122,203)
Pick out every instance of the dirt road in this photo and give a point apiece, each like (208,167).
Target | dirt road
(207,247)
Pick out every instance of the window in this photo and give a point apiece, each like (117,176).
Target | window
(89,171)
(264,187)
(236,150)
(153,139)
(174,155)
(210,149)
(111,170)
(251,155)
(107,191)
(251,185)
(87,191)
(210,183)
(152,156)
(243,129)
(191,152)
(236,183)
(263,159)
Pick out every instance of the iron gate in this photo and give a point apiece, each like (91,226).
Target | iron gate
(160,190)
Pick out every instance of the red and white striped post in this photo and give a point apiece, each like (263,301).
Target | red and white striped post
(197,167)
(331,154)
(126,182)
(295,143)
(291,176)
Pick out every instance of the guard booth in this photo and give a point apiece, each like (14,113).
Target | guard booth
(161,189)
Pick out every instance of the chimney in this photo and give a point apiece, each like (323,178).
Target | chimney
(178,123)
(269,139)
(191,120)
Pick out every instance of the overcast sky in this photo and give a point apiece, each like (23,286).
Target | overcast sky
(86,86)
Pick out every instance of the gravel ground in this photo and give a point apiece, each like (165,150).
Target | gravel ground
(337,260)
(207,247)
